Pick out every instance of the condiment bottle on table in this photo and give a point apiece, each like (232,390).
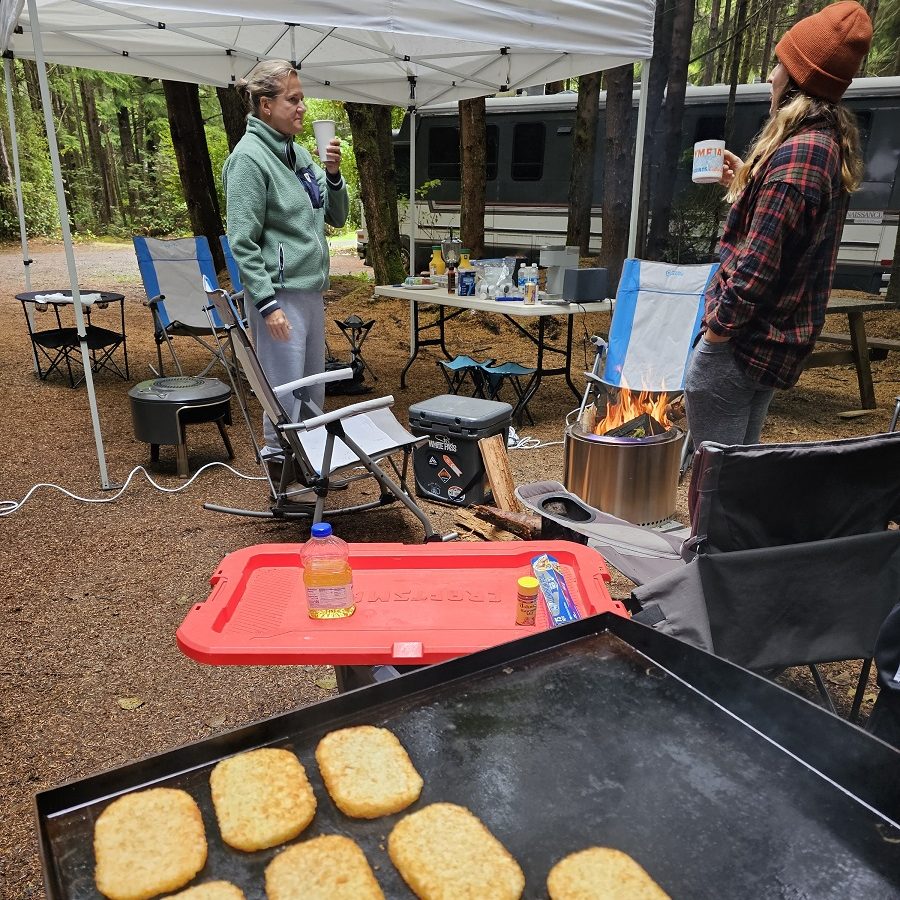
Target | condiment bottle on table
(327,576)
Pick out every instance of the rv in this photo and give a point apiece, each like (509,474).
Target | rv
(529,154)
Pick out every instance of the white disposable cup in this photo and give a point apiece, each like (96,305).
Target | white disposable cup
(709,157)
(323,129)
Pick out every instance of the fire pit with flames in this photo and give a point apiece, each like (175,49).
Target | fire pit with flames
(626,462)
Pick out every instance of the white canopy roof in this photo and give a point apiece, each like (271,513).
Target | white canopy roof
(363,50)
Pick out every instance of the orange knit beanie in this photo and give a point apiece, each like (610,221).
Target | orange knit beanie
(823,52)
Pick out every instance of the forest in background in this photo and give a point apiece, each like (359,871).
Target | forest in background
(120,161)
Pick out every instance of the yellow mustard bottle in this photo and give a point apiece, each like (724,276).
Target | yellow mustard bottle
(436,266)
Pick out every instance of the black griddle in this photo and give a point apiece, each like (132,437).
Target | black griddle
(719,783)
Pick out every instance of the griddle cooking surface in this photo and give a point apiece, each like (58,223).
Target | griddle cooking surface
(584,743)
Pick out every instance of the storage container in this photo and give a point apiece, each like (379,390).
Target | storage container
(449,468)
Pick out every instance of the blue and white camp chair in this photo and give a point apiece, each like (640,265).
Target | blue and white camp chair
(656,320)
(659,307)
(234,273)
(172,272)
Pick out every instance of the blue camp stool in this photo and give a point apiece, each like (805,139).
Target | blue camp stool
(521,378)
(462,368)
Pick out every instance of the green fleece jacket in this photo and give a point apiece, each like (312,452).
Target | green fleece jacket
(277,237)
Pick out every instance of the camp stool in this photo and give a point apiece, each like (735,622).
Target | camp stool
(462,367)
(513,374)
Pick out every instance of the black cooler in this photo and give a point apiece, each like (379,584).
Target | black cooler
(449,468)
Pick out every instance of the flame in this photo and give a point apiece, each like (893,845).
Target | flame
(629,406)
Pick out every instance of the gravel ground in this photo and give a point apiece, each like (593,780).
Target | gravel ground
(93,593)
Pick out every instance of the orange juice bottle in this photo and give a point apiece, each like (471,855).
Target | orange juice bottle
(327,576)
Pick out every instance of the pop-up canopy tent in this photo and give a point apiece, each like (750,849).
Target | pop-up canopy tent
(401,52)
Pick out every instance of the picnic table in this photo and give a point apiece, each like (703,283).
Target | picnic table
(861,348)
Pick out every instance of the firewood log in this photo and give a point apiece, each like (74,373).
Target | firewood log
(525,524)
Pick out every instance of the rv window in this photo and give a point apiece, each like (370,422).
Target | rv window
(709,128)
(491,152)
(443,152)
(528,151)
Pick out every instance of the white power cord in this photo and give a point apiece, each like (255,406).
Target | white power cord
(514,442)
(8,507)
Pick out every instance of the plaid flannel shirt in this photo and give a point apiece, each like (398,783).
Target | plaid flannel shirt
(778,254)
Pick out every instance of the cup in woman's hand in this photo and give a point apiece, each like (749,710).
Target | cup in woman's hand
(709,157)
(323,129)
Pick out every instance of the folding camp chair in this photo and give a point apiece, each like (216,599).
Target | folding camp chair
(658,313)
(171,272)
(789,560)
(324,451)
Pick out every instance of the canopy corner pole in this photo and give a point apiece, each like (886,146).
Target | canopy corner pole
(638,158)
(20,202)
(50,127)
(411,109)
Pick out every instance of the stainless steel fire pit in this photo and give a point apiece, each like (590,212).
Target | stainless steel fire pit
(635,479)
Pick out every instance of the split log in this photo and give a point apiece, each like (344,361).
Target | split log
(484,530)
(526,525)
(499,473)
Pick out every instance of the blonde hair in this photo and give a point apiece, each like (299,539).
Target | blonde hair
(265,80)
(797,111)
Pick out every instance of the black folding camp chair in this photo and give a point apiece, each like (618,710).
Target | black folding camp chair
(323,451)
(792,559)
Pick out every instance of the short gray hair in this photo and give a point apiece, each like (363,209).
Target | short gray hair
(265,80)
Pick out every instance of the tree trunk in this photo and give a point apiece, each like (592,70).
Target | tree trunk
(618,162)
(735,63)
(722,55)
(659,72)
(7,200)
(370,126)
(584,152)
(234,114)
(669,148)
(126,142)
(194,165)
(79,124)
(473,175)
(804,8)
(872,9)
(748,36)
(709,68)
(95,145)
(768,43)
(32,84)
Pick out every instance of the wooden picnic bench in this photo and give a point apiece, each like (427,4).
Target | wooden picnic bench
(862,349)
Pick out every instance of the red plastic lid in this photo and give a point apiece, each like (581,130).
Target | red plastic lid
(419,603)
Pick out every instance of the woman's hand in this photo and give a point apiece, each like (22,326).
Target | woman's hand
(278,325)
(730,167)
(333,156)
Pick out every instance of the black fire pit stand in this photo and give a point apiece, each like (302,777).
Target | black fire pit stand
(162,407)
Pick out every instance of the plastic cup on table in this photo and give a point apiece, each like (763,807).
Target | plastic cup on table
(709,157)
(323,129)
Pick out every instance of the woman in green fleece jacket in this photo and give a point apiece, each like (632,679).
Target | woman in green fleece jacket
(278,202)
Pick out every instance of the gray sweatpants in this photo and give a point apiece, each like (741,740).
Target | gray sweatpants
(723,403)
(301,355)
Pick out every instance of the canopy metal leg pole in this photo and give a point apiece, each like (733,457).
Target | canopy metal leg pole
(412,220)
(638,159)
(67,237)
(20,203)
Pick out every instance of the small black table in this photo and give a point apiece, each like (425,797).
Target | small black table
(60,346)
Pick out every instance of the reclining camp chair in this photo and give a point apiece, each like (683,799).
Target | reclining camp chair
(790,559)
(656,320)
(171,271)
(326,451)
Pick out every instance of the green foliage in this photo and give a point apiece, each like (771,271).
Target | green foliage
(148,197)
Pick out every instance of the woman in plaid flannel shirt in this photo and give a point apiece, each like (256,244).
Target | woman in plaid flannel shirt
(766,305)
